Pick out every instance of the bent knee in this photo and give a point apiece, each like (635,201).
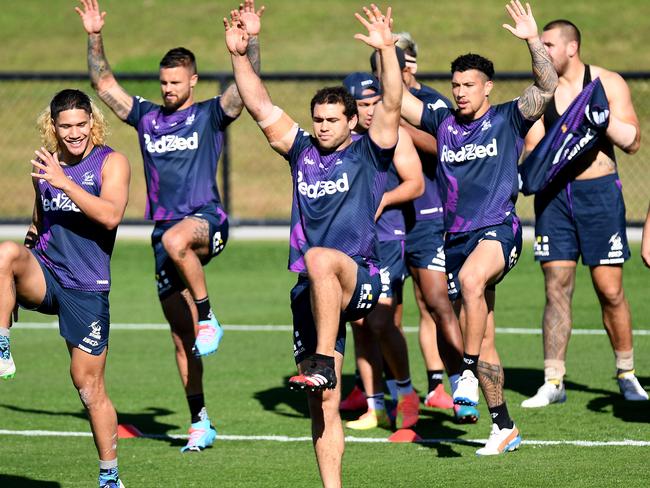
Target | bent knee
(472,284)
(174,242)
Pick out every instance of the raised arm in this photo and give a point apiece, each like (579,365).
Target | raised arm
(623,129)
(408,166)
(533,101)
(101,76)
(108,208)
(383,130)
(280,130)
(249,18)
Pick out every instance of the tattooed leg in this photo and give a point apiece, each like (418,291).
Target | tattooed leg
(186,243)
(556,324)
(491,378)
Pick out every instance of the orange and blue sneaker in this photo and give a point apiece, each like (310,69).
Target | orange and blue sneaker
(370,420)
(501,441)
(356,400)
(408,410)
(466,414)
(208,337)
(202,435)
(7,366)
(439,398)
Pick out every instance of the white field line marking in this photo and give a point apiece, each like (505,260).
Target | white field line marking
(274,328)
(283,438)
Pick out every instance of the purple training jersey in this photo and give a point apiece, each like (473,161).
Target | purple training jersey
(181,150)
(428,206)
(477,164)
(74,248)
(390,224)
(335,197)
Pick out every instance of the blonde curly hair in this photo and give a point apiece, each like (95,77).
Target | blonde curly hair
(70,99)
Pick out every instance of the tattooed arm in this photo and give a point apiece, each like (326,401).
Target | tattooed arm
(535,98)
(231,101)
(101,76)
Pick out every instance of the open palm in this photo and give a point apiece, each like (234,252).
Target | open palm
(91,17)
(525,25)
(379,27)
(251,18)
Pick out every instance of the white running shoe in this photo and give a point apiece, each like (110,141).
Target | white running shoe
(546,394)
(630,387)
(7,368)
(466,392)
(500,441)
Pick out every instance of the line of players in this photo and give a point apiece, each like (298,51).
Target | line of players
(365,139)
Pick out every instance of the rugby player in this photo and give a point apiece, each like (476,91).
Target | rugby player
(82,188)
(378,332)
(582,213)
(337,189)
(425,256)
(181,142)
(478,149)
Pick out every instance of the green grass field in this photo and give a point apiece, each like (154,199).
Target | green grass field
(249,403)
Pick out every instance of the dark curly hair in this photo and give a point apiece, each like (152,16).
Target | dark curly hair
(473,61)
(335,94)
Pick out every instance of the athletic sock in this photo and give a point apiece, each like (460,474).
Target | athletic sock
(203,307)
(434,376)
(470,362)
(624,361)
(197,407)
(376,402)
(501,417)
(404,387)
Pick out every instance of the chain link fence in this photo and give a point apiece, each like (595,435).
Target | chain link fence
(254,180)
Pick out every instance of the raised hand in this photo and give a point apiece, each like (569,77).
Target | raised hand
(52,170)
(236,34)
(92,18)
(379,27)
(525,25)
(251,18)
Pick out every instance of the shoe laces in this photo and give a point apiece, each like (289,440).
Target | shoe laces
(207,332)
(195,436)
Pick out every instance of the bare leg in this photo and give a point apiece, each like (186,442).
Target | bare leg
(369,360)
(186,244)
(180,312)
(608,283)
(87,372)
(327,429)
(490,371)
(559,283)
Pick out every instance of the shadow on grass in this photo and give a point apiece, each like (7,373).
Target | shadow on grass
(146,422)
(433,427)
(22,482)
(526,381)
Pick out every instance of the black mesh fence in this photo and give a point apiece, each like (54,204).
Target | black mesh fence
(254,180)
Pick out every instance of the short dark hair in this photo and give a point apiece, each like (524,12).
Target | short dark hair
(473,61)
(333,95)
(179,56)
(70,99)
(568,28)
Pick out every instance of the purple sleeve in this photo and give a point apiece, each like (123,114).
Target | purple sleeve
(141,107)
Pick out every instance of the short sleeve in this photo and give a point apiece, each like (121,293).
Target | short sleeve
(141,107)
(301,142)
(511,112)
(217,115)
(432,116)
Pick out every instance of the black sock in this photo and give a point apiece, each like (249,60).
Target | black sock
(501,417)
(197,404)
(324,360)
(434,376)
(470,362)
(357,381)
(203,307)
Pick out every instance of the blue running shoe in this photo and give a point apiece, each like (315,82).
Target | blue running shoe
(109,478)
(208,337)
(202,435)
(7,366)
(465,414)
